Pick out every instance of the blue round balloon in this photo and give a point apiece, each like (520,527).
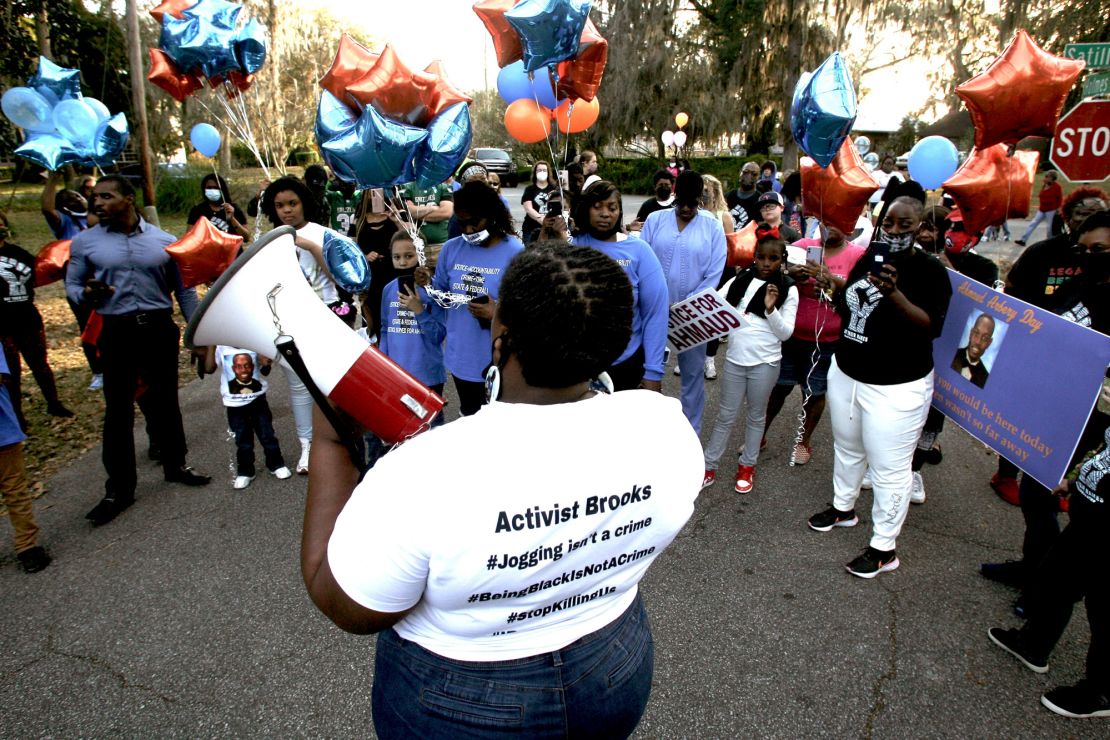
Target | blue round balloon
(28,110)
(933,160)
(76,122)
(346,262)
(446,147)
(549,30)
(513,83)
(205,138)
(823,110)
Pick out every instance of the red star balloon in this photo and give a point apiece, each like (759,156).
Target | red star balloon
(352,61)
(166,75)
(506,40)
(1021,94)
(443,94)
(581,77)
(741,246)
(50,263)
(173,7)
(836,194)
(204,253)
(395,90)
(992,186)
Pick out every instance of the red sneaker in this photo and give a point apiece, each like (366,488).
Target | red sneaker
(1006,488)
(709,479)
(744,478)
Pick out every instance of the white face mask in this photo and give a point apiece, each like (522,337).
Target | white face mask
(476,238)
(213,194)
(541,175)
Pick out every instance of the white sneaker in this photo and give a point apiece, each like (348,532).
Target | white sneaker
(866,482)
(283,473)
(302,464)
(242,481)
(710,369)
(677,369)
(97,382)
(917,493)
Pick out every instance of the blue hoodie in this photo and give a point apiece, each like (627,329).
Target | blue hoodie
(650,304)
(413,341)
(471,270)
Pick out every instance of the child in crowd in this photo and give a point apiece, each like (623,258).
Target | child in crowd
(243,389)
(14,492)
(768,300)
(412,327)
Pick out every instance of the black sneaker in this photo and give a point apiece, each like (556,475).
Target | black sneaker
(1079,701)
(108,509)
(1012,642)
(1011,573)
(33,560)
(872,562)
(833,517)
(186,476)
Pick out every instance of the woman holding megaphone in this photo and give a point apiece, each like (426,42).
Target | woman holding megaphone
(508,604)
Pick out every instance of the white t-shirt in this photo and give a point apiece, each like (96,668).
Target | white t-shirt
(759,340)
(317,277)
(522,528)
(234,391)
(883,178)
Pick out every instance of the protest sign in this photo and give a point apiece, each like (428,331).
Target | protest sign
(700,318)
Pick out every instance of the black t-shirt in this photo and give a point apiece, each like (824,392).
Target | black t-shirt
(650,206)
(17,281)
(216,217)
(1042,269)
(879,344)
(975,266)
(539,197)
(743,207)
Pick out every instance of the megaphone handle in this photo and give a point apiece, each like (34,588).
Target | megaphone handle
(288,349)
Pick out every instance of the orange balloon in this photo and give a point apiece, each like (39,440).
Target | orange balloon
(352,61)
(836,194)
(527,121)
(173,7)
(50,263)
(741,246)
(442,94)
(1021,94)
(165,74)
(506,40)
(204,253)
(576,116)
(395,90)
(580,77)
(681,120)
(992,186)
(91,333)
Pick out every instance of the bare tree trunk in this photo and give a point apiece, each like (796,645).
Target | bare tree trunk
(138,105)
(42,31)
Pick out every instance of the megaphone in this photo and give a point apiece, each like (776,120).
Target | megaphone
(263,303)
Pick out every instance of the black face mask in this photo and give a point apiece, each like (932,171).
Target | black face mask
(404,271)
(1096,266)
(662,192)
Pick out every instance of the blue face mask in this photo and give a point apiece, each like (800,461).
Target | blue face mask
(213,194)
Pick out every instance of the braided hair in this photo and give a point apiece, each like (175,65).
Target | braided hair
(567,311)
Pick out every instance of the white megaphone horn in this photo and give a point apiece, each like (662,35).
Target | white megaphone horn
(263,303)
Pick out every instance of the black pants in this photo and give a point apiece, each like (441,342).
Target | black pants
(133,347)
(255,418)
(1074,568)
(934,423)
(1042,528)
(627,375)
(23,333)
(472,395)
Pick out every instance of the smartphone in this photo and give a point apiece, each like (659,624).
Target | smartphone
(880,252)
(406,283)
(555,208)
(377,200)
(814,254)
(484,298)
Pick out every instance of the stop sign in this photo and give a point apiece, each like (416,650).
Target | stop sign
(1081,147)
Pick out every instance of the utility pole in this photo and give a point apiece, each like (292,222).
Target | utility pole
(138,105)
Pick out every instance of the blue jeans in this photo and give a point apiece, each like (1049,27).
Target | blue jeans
(597,686)
(692,364)
(246,422)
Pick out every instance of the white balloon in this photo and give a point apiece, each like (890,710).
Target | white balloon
(863,145)
(680,138)
(668,138)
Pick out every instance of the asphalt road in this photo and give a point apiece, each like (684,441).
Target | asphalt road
(186,616)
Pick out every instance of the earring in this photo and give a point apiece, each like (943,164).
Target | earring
(602,384)
(493,383)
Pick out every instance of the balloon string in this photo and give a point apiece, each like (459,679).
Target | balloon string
(551,149)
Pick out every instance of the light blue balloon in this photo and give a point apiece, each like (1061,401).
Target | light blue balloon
(332,119)
(549,29)
(28,110)
(219,13)
(513,83)
(49,151)
(823,110)
(933,160)
(346,262)
(54,82)
(196,43)
(101,110)
(377,151)
(76,122)
(205,138)
(446,147)
(250,47)
(110,140)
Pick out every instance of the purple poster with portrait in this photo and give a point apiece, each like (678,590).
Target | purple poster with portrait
(1020,379)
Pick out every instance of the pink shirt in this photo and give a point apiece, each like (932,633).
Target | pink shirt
(814,314)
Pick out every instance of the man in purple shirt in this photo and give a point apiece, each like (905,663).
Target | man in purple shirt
(121,269)
(690,245)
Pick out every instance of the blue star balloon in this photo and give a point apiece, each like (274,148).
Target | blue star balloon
(110,140)
(48,150)
(250,47)
(196,43)
(549,29)
(823,110)
(332,119)
(377,151)
(55,83)
(346,262)
(219,13)
(446,147)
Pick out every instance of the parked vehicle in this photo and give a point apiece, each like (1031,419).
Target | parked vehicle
(499,162)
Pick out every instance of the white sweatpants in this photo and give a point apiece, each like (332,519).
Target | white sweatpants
(876,425)
(301,402)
